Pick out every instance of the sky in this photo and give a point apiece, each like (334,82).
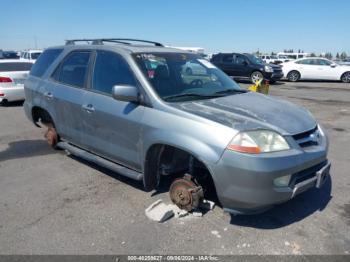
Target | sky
(216,25)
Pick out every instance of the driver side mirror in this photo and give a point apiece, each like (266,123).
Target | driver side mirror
(125,93)
(333,65)
(245,63)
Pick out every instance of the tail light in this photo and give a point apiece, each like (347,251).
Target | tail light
(4,79)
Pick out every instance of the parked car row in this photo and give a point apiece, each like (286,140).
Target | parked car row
(240,66)
(274,59)
(27,55)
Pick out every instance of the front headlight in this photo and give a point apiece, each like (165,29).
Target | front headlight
(260,141)
(268,69)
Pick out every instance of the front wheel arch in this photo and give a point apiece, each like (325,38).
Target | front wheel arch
(40,115)
(255,72)
(154,158)
(293,78)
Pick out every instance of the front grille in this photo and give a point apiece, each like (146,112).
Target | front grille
(309,138)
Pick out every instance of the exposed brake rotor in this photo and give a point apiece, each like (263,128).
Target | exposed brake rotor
(185,193)
(51,135)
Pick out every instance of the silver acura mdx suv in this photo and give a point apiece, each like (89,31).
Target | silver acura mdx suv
(130,106)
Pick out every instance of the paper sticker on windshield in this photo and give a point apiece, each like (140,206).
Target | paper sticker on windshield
(206,63)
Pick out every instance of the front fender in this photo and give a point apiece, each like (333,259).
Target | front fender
(199,149)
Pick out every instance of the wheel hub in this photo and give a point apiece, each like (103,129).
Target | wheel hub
(51,136)
(185,193)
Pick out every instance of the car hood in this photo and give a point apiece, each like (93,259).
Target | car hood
(249,111)
(274,66)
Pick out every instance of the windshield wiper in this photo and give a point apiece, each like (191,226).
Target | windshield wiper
(189,95)
(227,91)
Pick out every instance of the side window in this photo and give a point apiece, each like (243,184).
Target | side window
(44,61)
(323,62)
(240,60)
(313,62)
(110,70)
(305,62)
(227,58)
(74,69)
(215,58)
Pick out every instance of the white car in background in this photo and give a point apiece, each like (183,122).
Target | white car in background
(13,73)
(274,59)
(31,55)
(315,69)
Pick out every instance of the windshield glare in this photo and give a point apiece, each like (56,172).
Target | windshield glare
(254,59)
(180,77)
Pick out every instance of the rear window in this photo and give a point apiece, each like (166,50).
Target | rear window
(74,69)
(35,55)
(44,61)
(13,66)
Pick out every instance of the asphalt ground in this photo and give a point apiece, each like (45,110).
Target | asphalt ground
(53,203)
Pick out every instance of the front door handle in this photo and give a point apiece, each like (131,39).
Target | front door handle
(48,95)
(88,108)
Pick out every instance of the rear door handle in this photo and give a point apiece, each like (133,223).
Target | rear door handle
(48,95)
(88,108)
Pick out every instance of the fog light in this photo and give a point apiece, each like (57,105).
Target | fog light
(282,181)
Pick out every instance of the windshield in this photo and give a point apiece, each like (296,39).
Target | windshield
(178,77)
(254,59)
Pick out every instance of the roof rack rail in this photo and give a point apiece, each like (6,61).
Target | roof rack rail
(125,41)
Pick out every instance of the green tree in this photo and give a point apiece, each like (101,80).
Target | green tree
(343,55)
(328,55)
(313,55)
(337,56)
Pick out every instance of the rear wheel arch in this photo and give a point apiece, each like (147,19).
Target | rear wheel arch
(345,77)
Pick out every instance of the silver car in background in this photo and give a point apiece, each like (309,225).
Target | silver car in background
(13,73)
(103,102)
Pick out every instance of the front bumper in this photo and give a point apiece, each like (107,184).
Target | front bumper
(244,182)
(274,76)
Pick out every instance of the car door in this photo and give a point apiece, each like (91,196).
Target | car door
(65,95)
(112,127)
(241,66)
(329,70)
(227,65)
(307,68)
